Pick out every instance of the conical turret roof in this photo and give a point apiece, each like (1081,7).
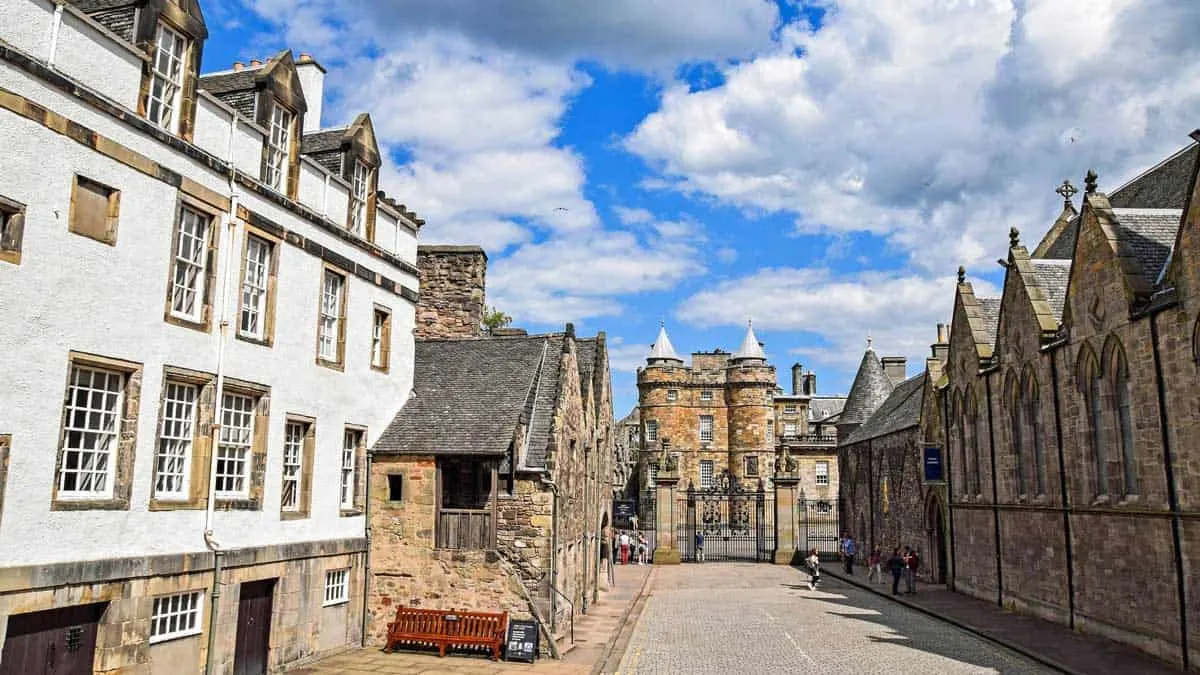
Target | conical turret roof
(871,387)
(750,348)
(663,350)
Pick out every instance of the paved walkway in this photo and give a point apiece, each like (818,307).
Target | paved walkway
(1050,643)
(595,634)
(758,619)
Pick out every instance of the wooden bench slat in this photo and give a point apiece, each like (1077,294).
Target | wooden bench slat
(430,627)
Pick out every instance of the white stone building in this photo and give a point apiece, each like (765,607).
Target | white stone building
(206,312)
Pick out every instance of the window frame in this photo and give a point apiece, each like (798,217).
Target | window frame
(12,230)
(651,431)
(277,148)
(707,424)
(381,339)
(350,470)
(292,466)
(706,395)
(750,460)
(173,119)
(790,429)
(308,451)
(204,266)
(185,460)
(672,395)
(706,482)
(196,608)
(358,197)
(246,445)
(817,473)
(789,409)
(339,319)
(112,210)
(337,581)
(268,292)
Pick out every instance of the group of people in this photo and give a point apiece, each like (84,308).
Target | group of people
(904,563)
(632,546)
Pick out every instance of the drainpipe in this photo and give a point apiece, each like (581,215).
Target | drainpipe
(949,469)
(367,554)
(227,259)
(1063,494)
(987,383)
(1172,494)
(55,26)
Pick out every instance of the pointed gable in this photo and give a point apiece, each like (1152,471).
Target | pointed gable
(336,149)
(251,90)
(1023,283)
(973,326)
(1184,267)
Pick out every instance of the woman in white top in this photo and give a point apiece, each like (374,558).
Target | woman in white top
(814,568)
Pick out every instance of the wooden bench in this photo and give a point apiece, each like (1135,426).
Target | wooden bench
(448,629)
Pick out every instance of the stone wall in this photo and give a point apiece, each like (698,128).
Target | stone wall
(452,291)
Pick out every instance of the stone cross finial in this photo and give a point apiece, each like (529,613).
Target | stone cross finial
(868,340)
(1089,182)
(1066,191)
(962,274)
(1014,237)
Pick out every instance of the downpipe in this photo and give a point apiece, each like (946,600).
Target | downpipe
(554,592)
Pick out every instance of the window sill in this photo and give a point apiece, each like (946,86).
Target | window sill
(293,515)
(11,257)
(163,639)
(199,325)
(1041,499)
(261,342)
(160,504)
(1129,500)
(1101,500)
(339,366)
(86,504)
(335,603)
(237,504)
(350,513)
(381,369)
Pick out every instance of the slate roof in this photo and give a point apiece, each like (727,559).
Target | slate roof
(1052,277)
(1149,234)
(225,82)
(751,348)
(98,5)
(990,310)
(901,410)
(1164,186)
(820,408)
(1064,245)
(325,140)
(469,395)
(871,386)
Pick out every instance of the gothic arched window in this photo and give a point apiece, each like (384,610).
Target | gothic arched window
(1017,432)
(1119,377)
(1089,384)
(1033,422)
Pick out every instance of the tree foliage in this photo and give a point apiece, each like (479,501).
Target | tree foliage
(494,318)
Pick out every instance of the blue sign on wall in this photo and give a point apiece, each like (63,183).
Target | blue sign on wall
(932,462)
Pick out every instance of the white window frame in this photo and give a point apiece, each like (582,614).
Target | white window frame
(332,291)
(672,394)
(378,322)
(707,472)
(789,409)
(89,454)
(256,279)
(706,428)
(235,451)
(790,429)
(278,140)
(351,440)
(177,431)
(360,184)
(189,269)
(651,431)
(178,615)
(337,587)
(293,465)
(822,472)
(166,78)
(706,395)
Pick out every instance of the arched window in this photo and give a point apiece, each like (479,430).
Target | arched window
(976,429)
(960,428)
(1089,382)
(1119,371)
(1033,422)
(1016,421)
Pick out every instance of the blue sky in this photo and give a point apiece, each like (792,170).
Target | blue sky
(820,167)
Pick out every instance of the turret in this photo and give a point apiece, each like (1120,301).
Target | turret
(871,387)
(663,352)
(751,351)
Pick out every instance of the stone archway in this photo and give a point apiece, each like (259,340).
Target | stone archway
(935,535)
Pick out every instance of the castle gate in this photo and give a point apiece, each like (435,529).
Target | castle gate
(730,521)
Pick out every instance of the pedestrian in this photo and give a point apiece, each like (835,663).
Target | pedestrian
(910,571)
(875,560)
(699,546)
(813,561)
(624,543)
(641,549)
(896,567)
(848,550)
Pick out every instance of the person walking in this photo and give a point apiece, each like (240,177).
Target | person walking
(624,543)
(912,564)
(875,561)
(641,549)
(896,567)
(813,562)
(699,546)
(849,548)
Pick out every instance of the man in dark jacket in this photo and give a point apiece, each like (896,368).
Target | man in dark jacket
(896,567)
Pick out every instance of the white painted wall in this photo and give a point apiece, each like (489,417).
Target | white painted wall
(90,55)
(72,293)
(27,25)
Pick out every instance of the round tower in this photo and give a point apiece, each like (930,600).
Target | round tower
(748,395)
(664,372)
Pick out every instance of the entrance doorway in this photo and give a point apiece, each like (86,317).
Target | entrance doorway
(935,530)
(53,642)
(253,627)
(728,522)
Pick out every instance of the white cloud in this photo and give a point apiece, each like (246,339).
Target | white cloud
(626,357)
(633,216)
(936,123)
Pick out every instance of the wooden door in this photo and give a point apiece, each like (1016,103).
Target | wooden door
(53,642)
(253,628)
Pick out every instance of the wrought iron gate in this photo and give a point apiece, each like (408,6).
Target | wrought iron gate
(817,526)
(729,521)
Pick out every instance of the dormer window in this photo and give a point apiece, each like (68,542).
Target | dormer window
(360,187)
(279,148)
(166,79)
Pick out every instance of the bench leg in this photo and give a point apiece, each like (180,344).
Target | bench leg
(442,648)
(495,651)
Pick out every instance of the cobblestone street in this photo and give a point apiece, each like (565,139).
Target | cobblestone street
(760,619)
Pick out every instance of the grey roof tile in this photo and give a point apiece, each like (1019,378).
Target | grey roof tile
(1149,234)
(1052,277)
(821,407)
(1064,245)
(325,140)
(1164,186)
(871,386)
(990,309)
(901,410)
(233,80)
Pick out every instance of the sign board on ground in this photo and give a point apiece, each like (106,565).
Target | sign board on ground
(522,642)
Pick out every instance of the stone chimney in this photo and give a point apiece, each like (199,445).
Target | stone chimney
(312,82)
(941,348)
(451,303)
(255,63)
(797,375)
(896,368)
(238,66)
(810,383)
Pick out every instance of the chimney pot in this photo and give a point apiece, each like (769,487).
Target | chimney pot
(810,383)
(797,369)
(255,63)
(238,66)
(896,368)
(305,56)
(941,348)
